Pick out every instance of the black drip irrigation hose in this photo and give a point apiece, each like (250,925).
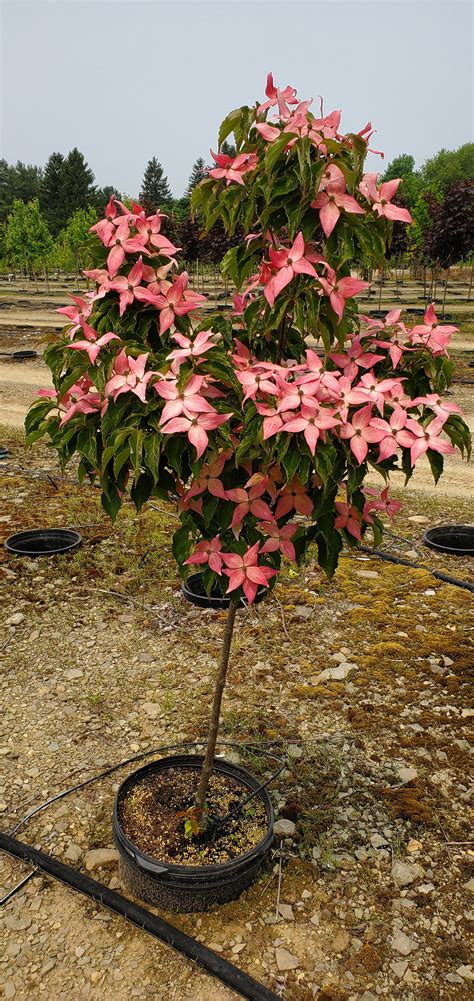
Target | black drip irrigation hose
(417,566)
(137,915)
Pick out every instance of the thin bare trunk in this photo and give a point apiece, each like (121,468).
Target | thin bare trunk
(215,714)
(445,290)
(470,285)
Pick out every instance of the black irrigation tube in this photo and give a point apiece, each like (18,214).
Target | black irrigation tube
(137,915)
(417,566)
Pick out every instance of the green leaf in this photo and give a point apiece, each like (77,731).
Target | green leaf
(436,462)
(229,124)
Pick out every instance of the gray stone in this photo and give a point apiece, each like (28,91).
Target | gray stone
(100,856)
(404,874)
(399,967)
(407,774)
(14,620)
(469,885)
(294,751)
(402,943)
(286,912)
(285,960)
(284,828)
(73,852)
(378,841)
(74,674)
(152,709)
(9,989)
(339,673)
(466,972)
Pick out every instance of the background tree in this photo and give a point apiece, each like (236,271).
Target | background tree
(228,148)
(451,234)
(440,172)
(21,181)
(78,191)
(51,194)
(27,239)
(404,166)
(71,251)
(198,173)
(155,192)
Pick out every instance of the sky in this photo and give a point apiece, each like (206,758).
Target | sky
(125,80)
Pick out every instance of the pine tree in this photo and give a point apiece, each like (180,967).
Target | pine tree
(78,191)
(198,173)
(228,148)
(51,195)
(156,192)
(20,180)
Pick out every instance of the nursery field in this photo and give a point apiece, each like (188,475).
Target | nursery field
(102,659)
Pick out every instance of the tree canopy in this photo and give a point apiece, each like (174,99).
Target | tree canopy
(155,191)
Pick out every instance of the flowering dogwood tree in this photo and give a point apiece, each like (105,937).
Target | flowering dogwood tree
(260,425)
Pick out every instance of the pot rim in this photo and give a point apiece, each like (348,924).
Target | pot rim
(75,539)
(190,761)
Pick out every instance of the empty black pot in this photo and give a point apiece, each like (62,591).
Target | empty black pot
(182,887)
(457,539)
(43,542)
(195,592)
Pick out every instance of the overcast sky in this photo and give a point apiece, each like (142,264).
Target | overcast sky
(125,81)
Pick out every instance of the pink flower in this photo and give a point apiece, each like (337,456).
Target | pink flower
(254,381)
(278,538)
(331,201)
(127,285)
(376,390)
(294,497)
(361,433)
(342,393)
(79,312)
(233,168)
(120,243)
(288,95)
(245,572)
(423,438)
(149,227)
(311,422)
(340,290)
(388,506)
(187,400)
(192,349)
(93,347)
(129,376)
(248,502)
(81,398)
(155,277)
(442,408)
(176,299)
(392,439)
(268,132)
(431,334)
(380,198)
(196,428)
(209,478)
(348,517)
(289,263)
(209,551)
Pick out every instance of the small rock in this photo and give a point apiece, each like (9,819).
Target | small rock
(100,856)
(284,828)
(447,660)
(418,519)
(404,874)
(339,673)
(14,620)
(286,912)
(285,960)
(399,967)
(378,841)
(306,895)
(294,751)
(466,972)
(367,573)
(315,919)
(303,611)
(238,948)
(469,885)
(152,709)
(402,944)
(425,888)
(9,989)
(73,852)
(407,774)
(467,713)
(215,947)
(73,674)
(340,941)
(414,845)
(340,657)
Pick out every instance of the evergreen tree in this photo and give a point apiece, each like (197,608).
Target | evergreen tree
(27,239)
(228,148)
(78,189)
(51,196)
(198,173)
(22,181)
(156,192)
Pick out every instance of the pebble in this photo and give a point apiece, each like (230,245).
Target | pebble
(284,828)
(100,856)
(367,573)
(73,674)
(340,941)
(378,841)
(294,751)
(285,960)
(407,774)
(399,967)
(9,989)
(215,947)
(339,673)
(418,519)
(426,888)
(404,874)
(466,972)
(152,709)
(238,948)
(14,620)
(73,852)
(286,912)
(402,943)
(469,885)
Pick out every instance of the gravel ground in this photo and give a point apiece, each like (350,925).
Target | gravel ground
(103,659)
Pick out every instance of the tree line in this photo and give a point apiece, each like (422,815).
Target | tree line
(46,213)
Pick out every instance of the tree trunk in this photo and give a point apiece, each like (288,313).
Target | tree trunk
(216,708)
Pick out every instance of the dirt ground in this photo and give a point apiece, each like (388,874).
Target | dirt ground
(103,659)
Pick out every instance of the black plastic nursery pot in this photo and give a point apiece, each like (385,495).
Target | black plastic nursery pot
(195,592)
(20,355)
(4,453)
(184,888)
(43,542)
(457,539)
